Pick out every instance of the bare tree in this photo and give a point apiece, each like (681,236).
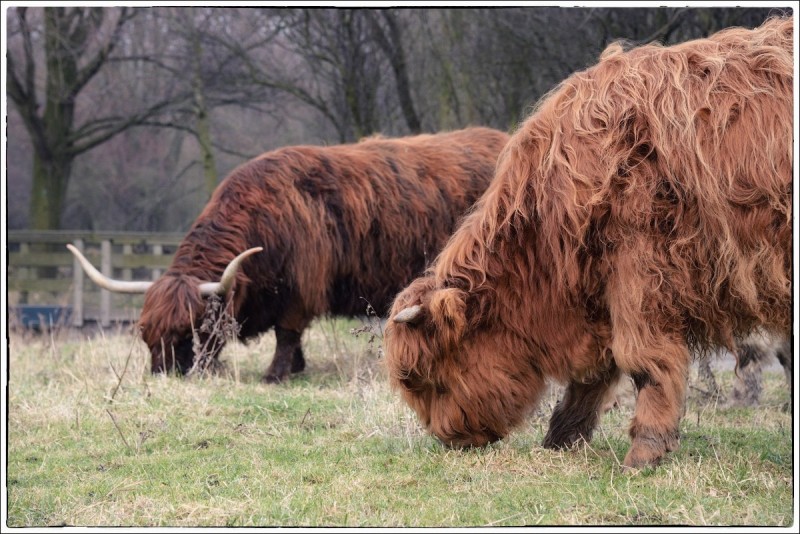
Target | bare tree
(491,65)
(77,43)
(388,33)
(327,59)
(210,46)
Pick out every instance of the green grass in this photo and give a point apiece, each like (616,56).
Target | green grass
(335,447)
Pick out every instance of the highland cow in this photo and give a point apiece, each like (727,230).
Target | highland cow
(753,354)
(342,228)
(642,211)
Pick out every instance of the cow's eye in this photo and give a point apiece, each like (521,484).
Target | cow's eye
(412,381)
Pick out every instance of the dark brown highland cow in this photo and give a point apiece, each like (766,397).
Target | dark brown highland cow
(642,210)
(341,227)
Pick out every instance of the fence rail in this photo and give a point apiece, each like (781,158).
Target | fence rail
(43,274)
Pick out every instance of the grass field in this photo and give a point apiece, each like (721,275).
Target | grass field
(95,440)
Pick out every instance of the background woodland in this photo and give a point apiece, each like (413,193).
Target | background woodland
(125,118)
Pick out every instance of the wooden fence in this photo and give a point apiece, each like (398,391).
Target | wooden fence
(44,278)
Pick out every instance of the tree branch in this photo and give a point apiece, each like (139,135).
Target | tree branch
(30,65)
(23,94)
(94,65)
(78,146)
(663,33)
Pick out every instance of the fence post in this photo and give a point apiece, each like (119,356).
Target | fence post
(24,272)
(158,250)
(105,295)
(127,250)
(77,283)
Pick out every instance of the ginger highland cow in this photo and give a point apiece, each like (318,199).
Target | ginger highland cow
(642,211)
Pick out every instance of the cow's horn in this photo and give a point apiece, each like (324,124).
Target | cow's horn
(409,315)
(118,286)
(222,287)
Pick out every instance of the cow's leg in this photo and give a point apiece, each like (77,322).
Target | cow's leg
(747,384)
(659,375)
(288,355)
(298,360)
(648,344)
(577,413)
(706,375)
(784,355)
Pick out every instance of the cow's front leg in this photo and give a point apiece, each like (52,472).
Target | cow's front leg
(298,360)
(288,355)
(660,379)
(577,413)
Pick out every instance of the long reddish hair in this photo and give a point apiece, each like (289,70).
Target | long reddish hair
(643,208)
(342,227)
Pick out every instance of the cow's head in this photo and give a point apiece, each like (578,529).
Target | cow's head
(455,368)
(176,313)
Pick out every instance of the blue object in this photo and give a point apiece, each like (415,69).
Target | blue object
(38,316)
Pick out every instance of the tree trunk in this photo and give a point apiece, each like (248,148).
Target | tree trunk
(391,42)
(52,163)
(48,191)
(449,108)
(48,194)
(202,121)
(203,126)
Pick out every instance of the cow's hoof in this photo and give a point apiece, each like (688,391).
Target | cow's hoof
(559,439)
(271,379)
(643,453)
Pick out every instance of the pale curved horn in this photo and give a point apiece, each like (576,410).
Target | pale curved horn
(118,286)
(409,315)
(225,283)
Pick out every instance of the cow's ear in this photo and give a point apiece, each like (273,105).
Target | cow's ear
(447,309)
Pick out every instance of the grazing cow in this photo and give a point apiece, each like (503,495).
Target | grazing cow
(643,210)
(752,355)
(341,228)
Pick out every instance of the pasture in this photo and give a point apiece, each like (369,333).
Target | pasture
(95,440)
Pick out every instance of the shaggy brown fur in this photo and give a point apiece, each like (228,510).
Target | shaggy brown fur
(642,210)
(341,226)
